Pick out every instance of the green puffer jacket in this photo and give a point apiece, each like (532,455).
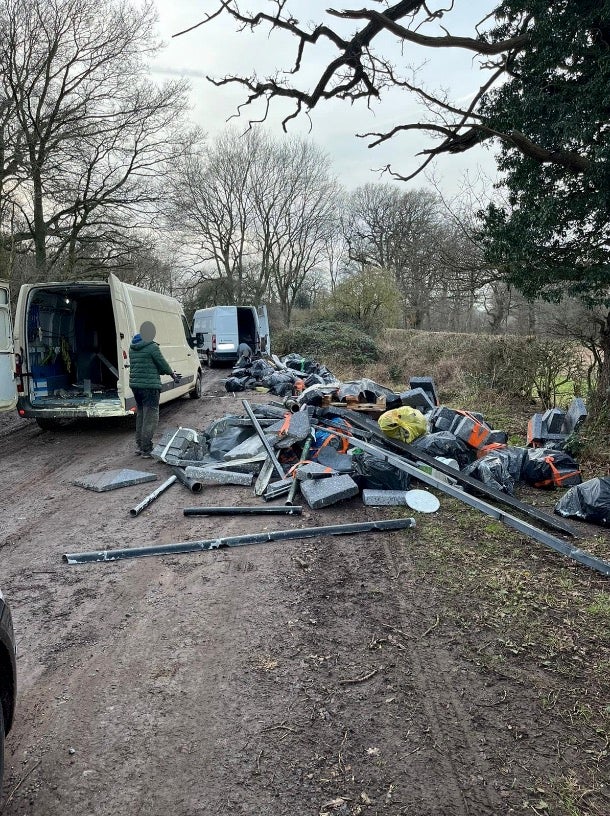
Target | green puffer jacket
(146,363)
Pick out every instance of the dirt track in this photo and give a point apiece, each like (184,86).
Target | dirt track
(288,678)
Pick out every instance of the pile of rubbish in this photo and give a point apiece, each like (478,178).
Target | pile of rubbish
(327,442)
(278,377)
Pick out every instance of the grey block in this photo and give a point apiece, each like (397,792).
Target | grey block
(417,398)
(441,418)
(113,479)
(245,450)
(203,474)
(299,428)
(384,498)
(323,492)
(427,384)
(576,415)
(467,426)
(535,430)
(553,420)
(314,470)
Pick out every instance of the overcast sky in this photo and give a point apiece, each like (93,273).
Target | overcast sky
(216,49)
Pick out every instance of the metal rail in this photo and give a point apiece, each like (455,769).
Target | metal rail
(264,440)
(239,541)
(135,511)
(254,510)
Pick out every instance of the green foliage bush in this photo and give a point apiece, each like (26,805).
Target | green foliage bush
(327,342)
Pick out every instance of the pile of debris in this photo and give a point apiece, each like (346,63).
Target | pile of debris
(329,442)
(279,377)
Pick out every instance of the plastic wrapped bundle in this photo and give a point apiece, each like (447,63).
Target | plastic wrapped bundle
(589,501)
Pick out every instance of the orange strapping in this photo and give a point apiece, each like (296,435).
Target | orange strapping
(293,470)
(493,446)
(557,477)
(285,425)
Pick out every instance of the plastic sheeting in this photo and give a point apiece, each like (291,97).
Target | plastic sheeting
(372,473)
(444,443)
(589,501)
(405,424)
(500,469)
(547,468)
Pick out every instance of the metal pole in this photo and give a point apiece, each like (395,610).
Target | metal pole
(264,440)
(135,511)
(193,485)
(239,541)
(256,510)
(581,556)
(304,455)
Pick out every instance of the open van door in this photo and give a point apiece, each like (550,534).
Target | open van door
(8,384)
(263,323)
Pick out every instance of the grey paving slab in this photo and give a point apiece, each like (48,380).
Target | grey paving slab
(322,492)
(113,479)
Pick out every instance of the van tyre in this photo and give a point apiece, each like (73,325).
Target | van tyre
(196,392)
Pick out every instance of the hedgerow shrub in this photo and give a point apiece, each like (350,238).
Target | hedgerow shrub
(328,342)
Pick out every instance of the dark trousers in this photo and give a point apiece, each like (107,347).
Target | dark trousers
(147,417)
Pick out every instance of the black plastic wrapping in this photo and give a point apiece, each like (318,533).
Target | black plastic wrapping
(444,443)
(589,501)
(372,473)
(546,468)
(500,469)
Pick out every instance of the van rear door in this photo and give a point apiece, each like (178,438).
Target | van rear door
(263,324)
(8,384)
(124,325)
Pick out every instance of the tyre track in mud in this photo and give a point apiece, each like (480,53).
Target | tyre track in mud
(435,675)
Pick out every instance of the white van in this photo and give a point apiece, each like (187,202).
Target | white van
(71,348)
(219,330)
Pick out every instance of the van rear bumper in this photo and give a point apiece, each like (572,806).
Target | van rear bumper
(60,410)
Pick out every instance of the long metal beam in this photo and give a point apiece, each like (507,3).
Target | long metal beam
(254,510)
(264,440)
(240,541)
(581,556)
(481,489)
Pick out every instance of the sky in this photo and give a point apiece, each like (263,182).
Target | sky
(216,49)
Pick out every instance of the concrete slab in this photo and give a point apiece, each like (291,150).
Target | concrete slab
(114,479)
(384,498)
(203,474)
(427,384)
(323,492)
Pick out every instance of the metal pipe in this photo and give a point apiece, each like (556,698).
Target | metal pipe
(135,511)
(581,556)
(294,485)
(239,541)
(193,485)
(256,510)
(264,440)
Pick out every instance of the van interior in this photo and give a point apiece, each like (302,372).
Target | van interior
(246,327)
(71,345)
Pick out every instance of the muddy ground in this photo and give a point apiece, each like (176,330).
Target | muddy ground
(329,676)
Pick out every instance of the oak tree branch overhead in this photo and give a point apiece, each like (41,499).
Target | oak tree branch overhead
(360,70)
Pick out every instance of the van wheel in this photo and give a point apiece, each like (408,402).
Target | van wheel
(196,392)
(210,361)
(49,424)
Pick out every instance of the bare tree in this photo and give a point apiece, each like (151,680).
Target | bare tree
(85,137)
(257,214)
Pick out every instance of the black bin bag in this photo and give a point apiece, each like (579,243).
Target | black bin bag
(589,501)
(371,473)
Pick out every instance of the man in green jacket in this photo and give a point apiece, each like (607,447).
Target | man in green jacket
(146,364)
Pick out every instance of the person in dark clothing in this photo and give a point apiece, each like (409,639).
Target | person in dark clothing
(146,364)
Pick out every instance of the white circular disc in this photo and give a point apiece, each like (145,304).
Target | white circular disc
(422,501)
